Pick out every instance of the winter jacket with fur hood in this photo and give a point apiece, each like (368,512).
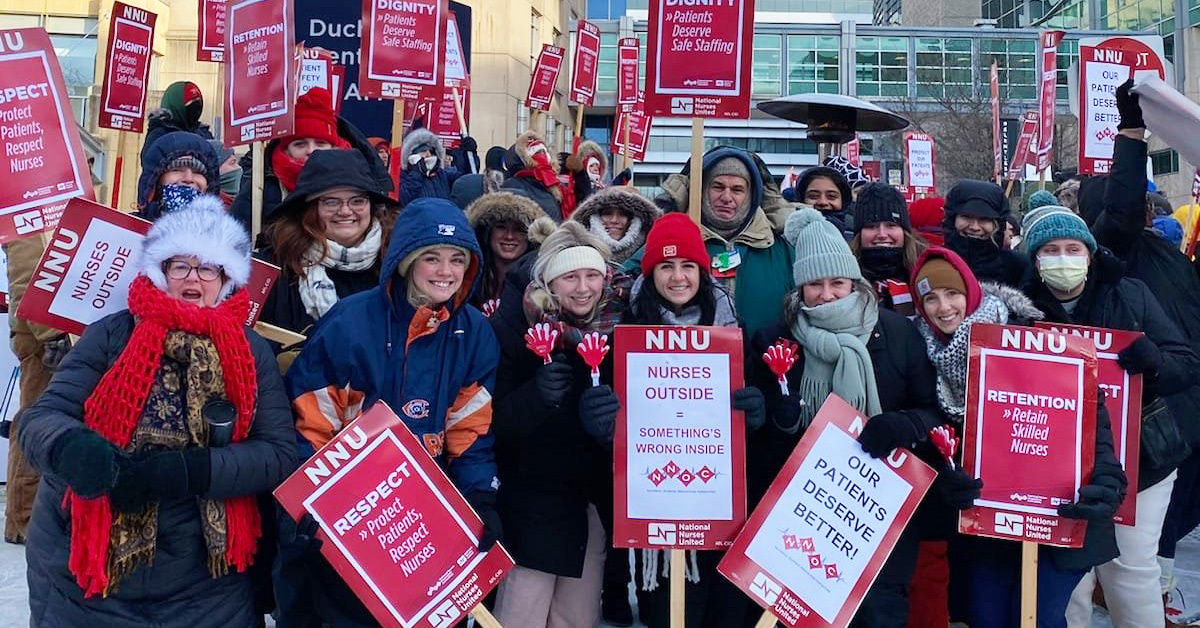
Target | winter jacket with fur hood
(518,158)
(642,214)
(416,182)
(490,210)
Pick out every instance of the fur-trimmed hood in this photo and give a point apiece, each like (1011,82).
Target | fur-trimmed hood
(498,207)
(641,211)
(567,235)
(577,162)
(418,137)
(1020,307)
(517,157)
(204,230)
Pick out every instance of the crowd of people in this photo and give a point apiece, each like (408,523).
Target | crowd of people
(413,274)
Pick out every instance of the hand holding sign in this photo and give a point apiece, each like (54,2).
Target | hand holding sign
(779,358)
(943,438)
(541,339)
(592,349)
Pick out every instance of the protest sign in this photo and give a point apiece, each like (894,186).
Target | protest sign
(698,59)
(1029,433)
(827,524)
(1105,63)
(544,78)
(587,55)
(680,457)
(442,119)
(315,70)
(628,84)
(260,86)
(639,131)
(1029,123)
(997,139)
(919,155)
(1123,399)
(1047,97)
(854,151)
(456,75)
(126,68)
(405,48)
(43,162)
(393,526)
(210,36)
(86,269)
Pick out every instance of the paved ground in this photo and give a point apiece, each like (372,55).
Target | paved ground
(14,601)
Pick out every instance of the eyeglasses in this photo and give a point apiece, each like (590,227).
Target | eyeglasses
(178,269)
(331,204)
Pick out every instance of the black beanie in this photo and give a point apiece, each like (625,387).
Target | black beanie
(880,202)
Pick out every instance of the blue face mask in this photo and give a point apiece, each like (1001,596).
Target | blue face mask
(176,196)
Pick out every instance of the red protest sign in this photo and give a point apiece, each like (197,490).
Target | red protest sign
(260,87)
(854,151)
(404,45)
(1123,399)
(1029,123)
(210,36)
(544,78)
(628,85)
(442,119)
(86,269)
(639,130)
(827,524)
(587,55)
(393,526)
(43,162)
(997,140)
(126,68)
(314,69)
(680,459)
(1029,433)
(1105,63)
(456,64)
(1047,97)
(920,153)
(698,61)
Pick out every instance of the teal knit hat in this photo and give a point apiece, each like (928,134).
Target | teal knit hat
(1051,222)
(821,250)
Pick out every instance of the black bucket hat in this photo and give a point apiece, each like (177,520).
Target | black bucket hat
(328,169)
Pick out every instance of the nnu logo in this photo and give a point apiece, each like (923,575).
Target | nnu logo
(416,409)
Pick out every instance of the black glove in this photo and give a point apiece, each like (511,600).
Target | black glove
(160,476)
(1141,356)
(957,488)
(299,540)
(53,351)
(598,412)
(786,416)
(554,380)
(1129,108)
(484,505)
(468,144)
(1096,503)
(86,461)
(889,430)
(750,400)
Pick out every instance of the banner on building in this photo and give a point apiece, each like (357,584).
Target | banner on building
(260,85)
(210,36)
(1029,433)
(920,153)
(827,524)
(544,78)
(403,49)
(393,526)
(127,68)
(1047,97)
(587,57)
(698,62)
(639,131)
(43,163)
(1105,63)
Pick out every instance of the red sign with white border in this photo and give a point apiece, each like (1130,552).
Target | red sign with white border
(587,57)
(827,524)
(1105,63)
(404,49)
(854,151)
(680,459)
(1029,125)
(456,63)
(260,84)
(639,131)
(1123,398)
(210,37)
(393,526)
(127,68)
(1029,433)
(1047,97)
(997,147)
(920,162)
(628,83)
(698,60)
(43,163)
(86,269)
(544,78)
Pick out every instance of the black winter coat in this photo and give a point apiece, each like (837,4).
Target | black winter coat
(1116,211)
(283,307)
(533,190)
(160,122)
(1113,301)
(550,469)
(176,590)
(986,259)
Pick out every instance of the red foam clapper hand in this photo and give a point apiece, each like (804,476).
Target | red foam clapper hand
(540,339)
(490,306)
(779,358)
(592,349)
(943,438)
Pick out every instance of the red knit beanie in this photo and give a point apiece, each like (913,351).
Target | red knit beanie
(315,119)
(674,235)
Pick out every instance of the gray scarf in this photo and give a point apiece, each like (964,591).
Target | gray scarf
(723,316)
(950,357)
(836,359)
(317,291)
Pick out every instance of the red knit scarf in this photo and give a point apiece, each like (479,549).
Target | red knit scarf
(286,168)
(115,407)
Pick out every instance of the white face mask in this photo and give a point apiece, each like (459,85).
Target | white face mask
(1063,272)
(431,162)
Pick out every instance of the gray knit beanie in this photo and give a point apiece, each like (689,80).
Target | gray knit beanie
(821,250)
(727,166)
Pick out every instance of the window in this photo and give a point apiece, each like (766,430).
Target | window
(812,65)
(767,65)
(606,65)
(943,68)
(882,67)
(1017,63)
(1164,162)
(1068,53)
